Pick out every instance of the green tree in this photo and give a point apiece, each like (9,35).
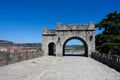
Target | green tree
(111,24)
(109,40)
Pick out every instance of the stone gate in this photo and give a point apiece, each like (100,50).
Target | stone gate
(63,33)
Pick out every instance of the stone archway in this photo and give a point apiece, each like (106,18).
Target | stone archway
(85,44)
(64,33)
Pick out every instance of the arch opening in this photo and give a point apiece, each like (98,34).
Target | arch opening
(51,49)
(75,46)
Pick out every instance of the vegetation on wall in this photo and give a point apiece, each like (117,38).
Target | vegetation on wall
(109,40)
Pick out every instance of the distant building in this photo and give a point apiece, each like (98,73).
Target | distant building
(16,49)
(2,49)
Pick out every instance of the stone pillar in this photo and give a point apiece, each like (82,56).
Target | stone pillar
(92,42)
(59,50)
(89,49)
(44,45)
(45,49)
(89,53)
(46,52)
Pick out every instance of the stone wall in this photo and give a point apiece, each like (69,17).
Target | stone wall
(9,58)
(110,60)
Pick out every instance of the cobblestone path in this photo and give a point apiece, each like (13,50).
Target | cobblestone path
(58,68)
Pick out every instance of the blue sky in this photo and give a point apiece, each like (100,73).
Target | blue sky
(23,20)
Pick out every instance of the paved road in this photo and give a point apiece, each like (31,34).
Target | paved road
(58,68)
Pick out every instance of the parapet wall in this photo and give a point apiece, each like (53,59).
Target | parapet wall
(9,58)
(108,59)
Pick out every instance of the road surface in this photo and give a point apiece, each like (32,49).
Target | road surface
(58,68)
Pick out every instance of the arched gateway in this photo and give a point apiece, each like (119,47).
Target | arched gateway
(53,41)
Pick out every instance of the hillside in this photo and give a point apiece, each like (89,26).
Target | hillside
(10,43)
(6,43)
(74,47)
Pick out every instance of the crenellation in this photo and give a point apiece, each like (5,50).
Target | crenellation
(45,30)
(66,27)
(52,31)
(59,25)
(90,26)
